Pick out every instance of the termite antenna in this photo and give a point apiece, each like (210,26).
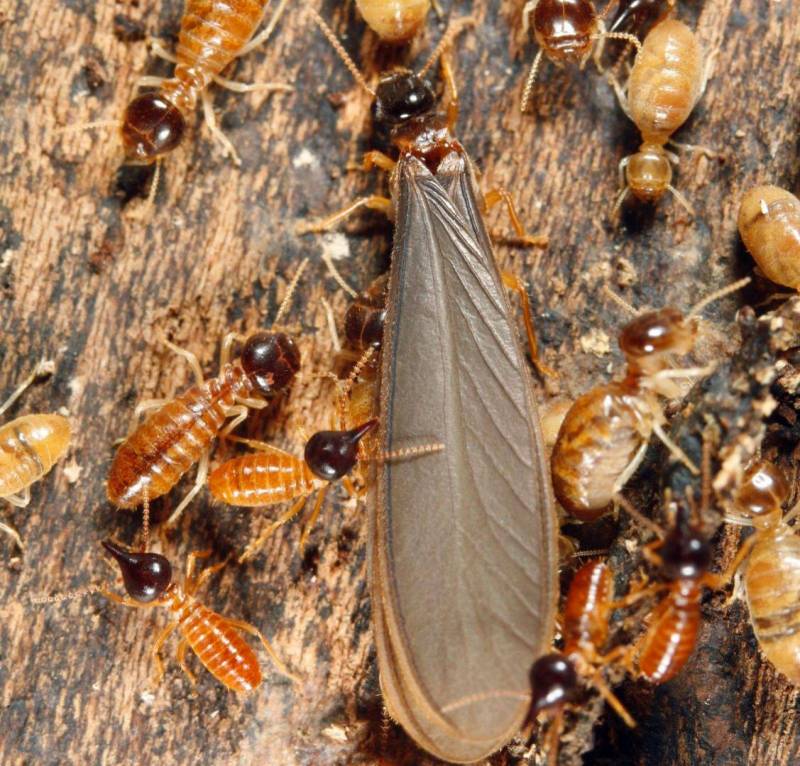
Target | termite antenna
(145,523)
(43,369)
(621,302)
(331,321)
(68,596)
(341,52)
(409,452)
(344,390)
(284,307)
(88,126)
(454,29)
(327,259)
(632,39)
(150,201)
(717,294)
(637,515)
(529,83)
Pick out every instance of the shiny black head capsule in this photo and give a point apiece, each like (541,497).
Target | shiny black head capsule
(401,96)
(270,360)
(685,554)
(146,575)
(152,127)
(333,454)
(553,682)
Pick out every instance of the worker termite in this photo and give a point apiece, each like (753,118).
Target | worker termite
(668,78)
(30,446)
(272,476)
(605,433)
(479,513)
(769,560)
(212,35)
(394,21)
(566,32)
(152,459)
(769,225)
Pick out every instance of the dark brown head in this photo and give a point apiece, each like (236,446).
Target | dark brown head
(762,492)
(657,333)
(685,554)
(402,96)
(648,173)
(330,455)
(565,29)
(554,682)
(639,16)
(363,322)
(147,576)
(152,128)
(270,360)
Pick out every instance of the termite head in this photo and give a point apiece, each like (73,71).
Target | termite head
(363,322)
(554,682)
(651,337)
(330,455)
(685,554)
(639,16)
(761,493)
(147,576)
(648,173)
(152,127)
(565,29)
(402,96)
(270,360)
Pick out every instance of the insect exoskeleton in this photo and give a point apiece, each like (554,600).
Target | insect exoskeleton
(770,562)
(605,432)
(639,16)
(394,21)
(769,224)
(214,638)
(667,80)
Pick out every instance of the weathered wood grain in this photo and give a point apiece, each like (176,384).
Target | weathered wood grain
(83,282)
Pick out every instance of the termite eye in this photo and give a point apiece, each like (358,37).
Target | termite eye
(564,27)
(363,326)
(685,554)
(657,332)
(146,575)
(270,360)
(152,127)
(401,96)
(333,454)
(553,682)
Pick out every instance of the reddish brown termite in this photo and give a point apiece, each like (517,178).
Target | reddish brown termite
(30,445)
(566,32)
(668,78)
(271,475)
(769,225)
(394,21)
(152,459)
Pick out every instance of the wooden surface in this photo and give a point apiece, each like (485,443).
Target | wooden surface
(84,283)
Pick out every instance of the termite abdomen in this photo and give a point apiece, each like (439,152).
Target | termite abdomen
(146,575)
(394,21)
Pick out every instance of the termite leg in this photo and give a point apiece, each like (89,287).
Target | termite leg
(241,412)
(376,159)
(599,683)
(249,87)
(685,204)
(312,519)
(723,579)
(676,451)
(630,469)
(227,344)
(258,543)
(148,404)
(265,33)
(372,202)
(527,10)
(498,194)
(181,655)
(191,560)
(621,97)
(157,646)
(149,81)
(254,631)
(512,282)
(13,534)
(206,574)
(218,135)
(193,361)
(157,49)
(259,445)
(452,91)
(44,368)
(199,482)
(21,499)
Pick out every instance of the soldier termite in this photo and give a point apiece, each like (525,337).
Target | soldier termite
(30,446)
(769,225)
(605,433)
(478,514)
(270,475)
(211,36)
(394,21)
(152,459)
(668,78)
(566,32)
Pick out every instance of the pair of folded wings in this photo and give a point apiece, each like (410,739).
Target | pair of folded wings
(462,558)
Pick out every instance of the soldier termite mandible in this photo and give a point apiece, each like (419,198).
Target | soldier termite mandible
(462,542)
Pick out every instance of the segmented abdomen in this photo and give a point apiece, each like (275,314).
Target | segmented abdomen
(29,447)
(261,478)
(672,636)
(155,456)
(213,32)
(219,646)
(772,582)
(597,441)
(586,609)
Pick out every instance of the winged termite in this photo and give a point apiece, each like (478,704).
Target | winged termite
(462,542)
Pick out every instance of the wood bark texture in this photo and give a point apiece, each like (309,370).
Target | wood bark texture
(86,283)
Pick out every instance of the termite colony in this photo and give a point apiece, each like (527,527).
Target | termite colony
(427,417)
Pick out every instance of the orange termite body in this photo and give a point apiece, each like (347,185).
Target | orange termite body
(394,21)
(587,609)
(604,434)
